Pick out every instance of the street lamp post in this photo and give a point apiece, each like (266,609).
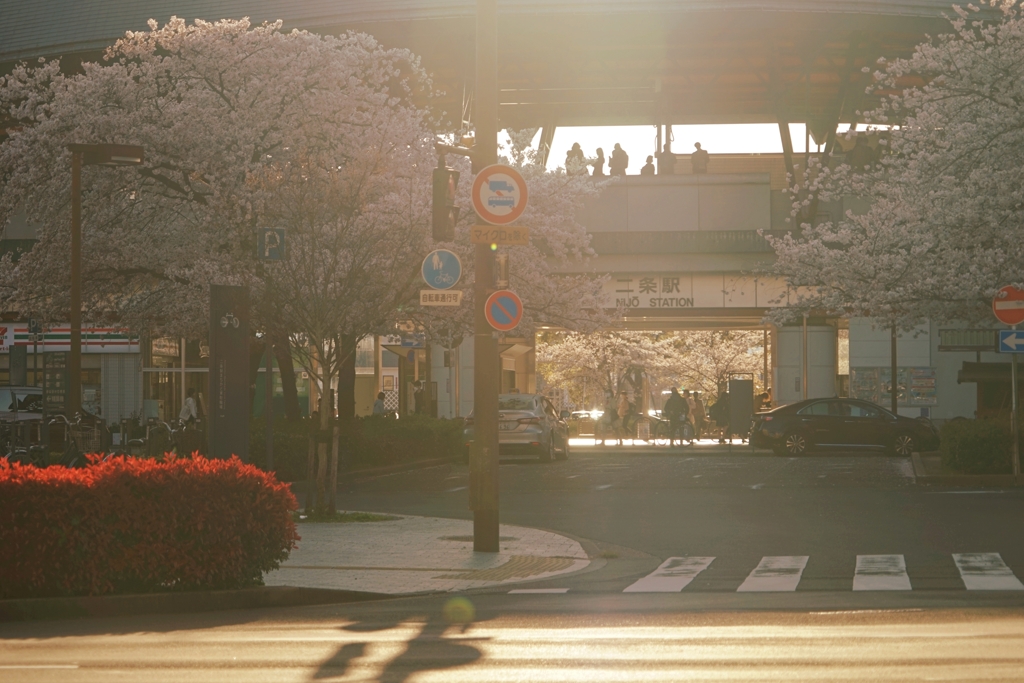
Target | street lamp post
(86,155)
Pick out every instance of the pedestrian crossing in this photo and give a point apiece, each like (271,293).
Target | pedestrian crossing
(784,573)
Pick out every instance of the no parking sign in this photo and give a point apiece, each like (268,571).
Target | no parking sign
(504,310)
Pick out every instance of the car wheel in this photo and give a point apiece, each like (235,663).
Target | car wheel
(795,443)
(550,452)
(903,445)
(564,453)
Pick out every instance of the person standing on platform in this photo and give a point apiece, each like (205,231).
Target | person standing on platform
(648,168)
(574,160)
(598,164)
(699,159)
(667,161)
(619,161)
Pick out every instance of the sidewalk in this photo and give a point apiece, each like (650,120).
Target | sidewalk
(421,554)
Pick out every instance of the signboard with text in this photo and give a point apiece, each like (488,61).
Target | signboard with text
(229,372)
(511,236)
(56,382)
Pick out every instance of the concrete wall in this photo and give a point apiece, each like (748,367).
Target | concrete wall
(821,363)
(682,204)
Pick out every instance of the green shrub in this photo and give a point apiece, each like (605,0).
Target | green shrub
(365,443)
(977,446)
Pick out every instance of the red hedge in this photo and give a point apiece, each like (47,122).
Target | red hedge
(132,525)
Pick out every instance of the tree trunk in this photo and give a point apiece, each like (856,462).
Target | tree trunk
(347,377)
(321,447)
(283,354)
(311,469)
(333,480)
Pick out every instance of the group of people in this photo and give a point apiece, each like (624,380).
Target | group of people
(681,409)
(577,162)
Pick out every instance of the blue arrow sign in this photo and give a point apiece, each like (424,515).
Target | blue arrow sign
(442,269)
(1011,341)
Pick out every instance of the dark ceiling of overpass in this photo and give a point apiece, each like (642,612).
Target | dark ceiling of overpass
(571,63)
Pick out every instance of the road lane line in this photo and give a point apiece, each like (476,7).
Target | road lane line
(986,572)
(672,576)
(881,573)
(537,591)
(775,573)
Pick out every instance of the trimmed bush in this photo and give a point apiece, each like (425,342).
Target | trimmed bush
(365,443)
(977,446)
(132,525)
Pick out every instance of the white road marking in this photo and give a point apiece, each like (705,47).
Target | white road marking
(775,573)
(602,487)
(757,486)
(986,572)
(457,488)
(672,576)
(537,591)
(573,476)
(881,573)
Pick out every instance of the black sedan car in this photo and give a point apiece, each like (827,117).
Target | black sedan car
(840,423)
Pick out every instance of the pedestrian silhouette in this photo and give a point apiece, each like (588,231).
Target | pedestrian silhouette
(861,157)
(699,159)
(598,163)
(648,168)
(667,161)
(574,160)
(619,161)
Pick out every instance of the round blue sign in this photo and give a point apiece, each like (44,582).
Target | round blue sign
(442,269)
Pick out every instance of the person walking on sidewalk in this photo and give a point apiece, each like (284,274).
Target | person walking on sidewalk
(676,410)
(700,416)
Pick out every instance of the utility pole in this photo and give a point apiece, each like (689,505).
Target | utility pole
(483,468)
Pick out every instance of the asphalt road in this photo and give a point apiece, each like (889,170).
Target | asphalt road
(738,508)
(634,513)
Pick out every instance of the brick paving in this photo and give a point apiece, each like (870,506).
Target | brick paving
(422,554)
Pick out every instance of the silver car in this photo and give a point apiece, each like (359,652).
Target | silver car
(528,424)
(21,403)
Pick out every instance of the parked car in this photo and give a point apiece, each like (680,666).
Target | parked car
(528,424)
(840,423)
(21,403)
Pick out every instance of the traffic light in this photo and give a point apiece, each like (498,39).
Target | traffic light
(445,213)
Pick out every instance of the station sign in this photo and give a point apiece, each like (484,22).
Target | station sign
(499,194)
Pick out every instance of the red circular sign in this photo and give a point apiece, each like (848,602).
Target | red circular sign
(1008,305)
(499,194)
(504,310)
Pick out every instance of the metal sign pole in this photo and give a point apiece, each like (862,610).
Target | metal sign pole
(1014,421)
(483,468)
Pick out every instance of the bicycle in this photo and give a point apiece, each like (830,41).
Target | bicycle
(16,443)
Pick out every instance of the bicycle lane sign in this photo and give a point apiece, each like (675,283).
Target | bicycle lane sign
(442,269)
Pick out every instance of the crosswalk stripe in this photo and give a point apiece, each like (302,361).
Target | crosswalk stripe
(775,573)
(881,573)
(986,572)
(537,591)
(672,576)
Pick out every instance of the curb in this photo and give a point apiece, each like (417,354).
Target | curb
(983,480)
(32,609)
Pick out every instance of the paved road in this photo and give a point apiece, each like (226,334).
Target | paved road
(524,638)
(828,518)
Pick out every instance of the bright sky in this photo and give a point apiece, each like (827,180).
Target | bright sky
(639,141)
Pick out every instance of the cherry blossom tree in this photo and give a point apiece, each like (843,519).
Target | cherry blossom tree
(941,234)
(244,127)
(593,366)
(703,360)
